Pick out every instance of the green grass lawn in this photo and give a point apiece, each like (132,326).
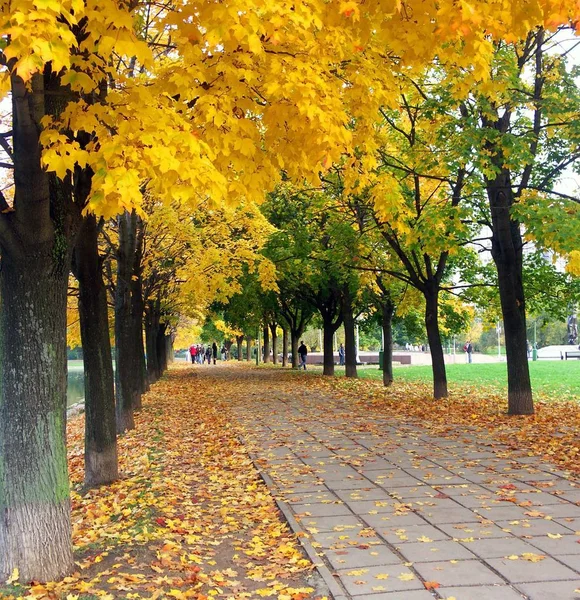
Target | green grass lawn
(558,380)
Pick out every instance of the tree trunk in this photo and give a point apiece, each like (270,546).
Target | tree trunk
(35,244)
(294,341)
(161,349)
(127,376)
(101,462)
(388,310)
(435,345)
(349,336)
(328,347)
(506,250)
(170,352)
(34,491)
(248,348)
(239,342)
(137,314)
(266,334)
(284,347)
(151,333)
(274,335)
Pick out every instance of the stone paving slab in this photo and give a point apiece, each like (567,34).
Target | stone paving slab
(396,514)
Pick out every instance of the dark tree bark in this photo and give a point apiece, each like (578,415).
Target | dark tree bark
(274,334)
(152,318)
(388,310)
(161,348)
(294,339)
(266,334)
(349,334)
(36,241)
(137,314)
(506,250)
(127,373)
(435,344)
(101,462)
(239,342)
(330,323)
(284,347)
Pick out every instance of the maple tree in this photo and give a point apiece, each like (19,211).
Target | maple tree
(524,136)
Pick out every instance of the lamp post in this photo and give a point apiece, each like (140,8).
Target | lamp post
(535,348)
(498,330)
(357,358)
(258,348)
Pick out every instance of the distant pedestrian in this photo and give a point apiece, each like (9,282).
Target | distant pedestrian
(214,351)
(468,349)
(341,355)
(208,354)
(192,353)
(302,353)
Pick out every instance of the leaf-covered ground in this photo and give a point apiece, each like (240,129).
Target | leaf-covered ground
(552,433)
(190,518)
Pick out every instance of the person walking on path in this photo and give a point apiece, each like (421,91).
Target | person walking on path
(214,351)
(468,348)
(302,353)
(341,355)
(192,353)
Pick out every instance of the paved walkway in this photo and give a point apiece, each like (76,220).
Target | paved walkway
(390,512)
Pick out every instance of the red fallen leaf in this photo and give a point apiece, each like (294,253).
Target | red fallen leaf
(363,546)
(431,585)
(441,495)
(161,521)
(508,486)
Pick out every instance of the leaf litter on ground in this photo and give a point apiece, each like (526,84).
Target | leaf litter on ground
(189,518)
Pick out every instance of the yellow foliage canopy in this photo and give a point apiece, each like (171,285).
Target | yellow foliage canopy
(213,100)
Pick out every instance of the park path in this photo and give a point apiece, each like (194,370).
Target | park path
(389,511)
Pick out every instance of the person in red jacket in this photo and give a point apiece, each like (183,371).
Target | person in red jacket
(192,353)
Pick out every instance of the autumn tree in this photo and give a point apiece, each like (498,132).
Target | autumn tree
(525,135)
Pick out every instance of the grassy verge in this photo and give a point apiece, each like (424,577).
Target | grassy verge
(555,380)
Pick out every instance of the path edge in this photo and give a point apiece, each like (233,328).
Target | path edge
(335,589)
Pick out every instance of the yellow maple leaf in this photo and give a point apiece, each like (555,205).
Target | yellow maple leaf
(533,557)
(14,577)
(406,576)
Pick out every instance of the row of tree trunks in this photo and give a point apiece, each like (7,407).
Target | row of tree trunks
(101,465)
